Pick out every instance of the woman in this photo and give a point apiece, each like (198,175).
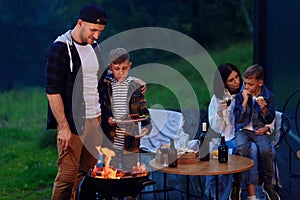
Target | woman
(227,83)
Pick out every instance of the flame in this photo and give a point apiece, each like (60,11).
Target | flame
(108,154)
(140,169)
(108,172)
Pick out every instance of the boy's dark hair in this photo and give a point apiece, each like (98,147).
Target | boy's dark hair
(254,71)
(118,56)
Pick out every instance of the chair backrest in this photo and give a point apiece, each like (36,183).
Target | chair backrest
(285,123)
(166,125)
(284,128)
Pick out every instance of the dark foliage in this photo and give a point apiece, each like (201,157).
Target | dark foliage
(28,27)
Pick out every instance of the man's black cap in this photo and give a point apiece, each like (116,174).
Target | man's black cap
(93,13)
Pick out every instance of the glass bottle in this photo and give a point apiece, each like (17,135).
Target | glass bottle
(173,159)
(183,139)
(99,163)
(223,151)
(159,157)
(204,144)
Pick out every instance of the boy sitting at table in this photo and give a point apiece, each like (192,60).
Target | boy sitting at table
(254,108)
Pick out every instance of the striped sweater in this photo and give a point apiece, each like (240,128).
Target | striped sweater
(120,100)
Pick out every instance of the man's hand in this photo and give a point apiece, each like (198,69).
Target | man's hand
(143,89)
(143,85)
(64,136)
(64,133)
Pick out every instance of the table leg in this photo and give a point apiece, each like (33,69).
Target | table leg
(165,186)
(237,177)
(187,187)
(217,187)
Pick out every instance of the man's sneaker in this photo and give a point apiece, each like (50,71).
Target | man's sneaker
(271,193)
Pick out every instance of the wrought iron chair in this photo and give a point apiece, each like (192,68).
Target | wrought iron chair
(284,128)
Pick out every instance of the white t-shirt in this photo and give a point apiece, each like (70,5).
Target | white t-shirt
(90,67)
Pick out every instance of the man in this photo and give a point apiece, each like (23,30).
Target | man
(73,68)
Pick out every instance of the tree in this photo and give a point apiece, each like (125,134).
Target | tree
(31,25)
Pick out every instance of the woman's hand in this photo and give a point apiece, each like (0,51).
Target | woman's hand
(221,106)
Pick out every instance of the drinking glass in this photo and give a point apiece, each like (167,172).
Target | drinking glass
(164,151)
(214,147)
(227,99)
(215,151)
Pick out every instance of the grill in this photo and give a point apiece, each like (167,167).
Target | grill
(105,188)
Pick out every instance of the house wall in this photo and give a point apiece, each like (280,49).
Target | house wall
(276,48)
(277,45)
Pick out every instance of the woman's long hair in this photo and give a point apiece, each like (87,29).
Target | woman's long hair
(221,76)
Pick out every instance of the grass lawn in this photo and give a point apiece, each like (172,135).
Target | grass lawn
(28,158)
(28,152)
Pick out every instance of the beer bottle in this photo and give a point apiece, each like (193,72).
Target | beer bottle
(204,144)
(223,151)
(172,155)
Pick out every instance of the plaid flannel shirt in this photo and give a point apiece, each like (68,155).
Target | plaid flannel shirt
(60,79)
(137,105)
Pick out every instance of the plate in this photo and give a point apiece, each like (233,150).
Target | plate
(130,120)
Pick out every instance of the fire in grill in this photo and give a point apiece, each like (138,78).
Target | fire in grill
(105,182)
(112,173)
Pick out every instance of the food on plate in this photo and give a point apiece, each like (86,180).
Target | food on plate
(134,116)
(131,117)
(260,98)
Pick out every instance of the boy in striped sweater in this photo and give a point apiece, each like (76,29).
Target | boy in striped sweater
(122,106)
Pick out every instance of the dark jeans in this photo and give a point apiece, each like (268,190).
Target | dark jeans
(243,141)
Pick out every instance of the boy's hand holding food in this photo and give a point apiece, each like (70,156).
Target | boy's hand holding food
(262,103)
